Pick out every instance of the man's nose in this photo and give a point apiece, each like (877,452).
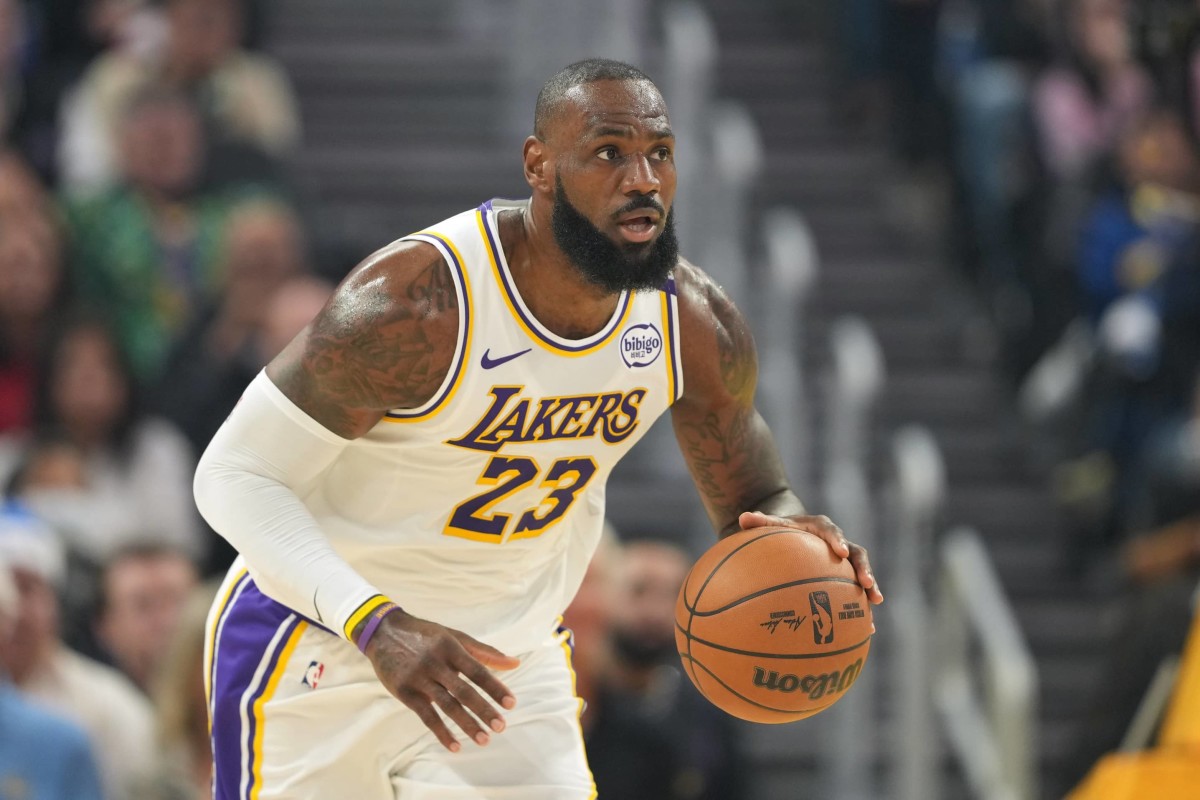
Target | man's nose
(640,178)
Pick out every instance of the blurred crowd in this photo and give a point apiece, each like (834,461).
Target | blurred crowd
(1062,138)
(152,259)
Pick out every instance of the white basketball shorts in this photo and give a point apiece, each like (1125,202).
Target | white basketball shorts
(298,713)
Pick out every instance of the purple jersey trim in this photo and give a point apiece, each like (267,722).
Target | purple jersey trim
(465,310)
(676,367)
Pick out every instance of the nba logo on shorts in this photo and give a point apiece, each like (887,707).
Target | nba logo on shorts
(822,617)
(312,675)
(640,345)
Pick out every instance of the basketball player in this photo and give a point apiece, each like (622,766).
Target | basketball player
(420,474)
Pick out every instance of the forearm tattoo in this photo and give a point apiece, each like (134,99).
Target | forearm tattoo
(732,460)
(726,444)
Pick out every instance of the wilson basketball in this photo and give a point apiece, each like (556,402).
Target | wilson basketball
(772,626)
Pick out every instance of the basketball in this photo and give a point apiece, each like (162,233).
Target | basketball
(772,626)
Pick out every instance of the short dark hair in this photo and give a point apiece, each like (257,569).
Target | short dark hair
(580,73)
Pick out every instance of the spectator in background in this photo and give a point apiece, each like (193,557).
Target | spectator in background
(653,735)
(13,89)
(184,767)
(1139,278)
(136,469)
(118,720)
(22,195)
(244,99)
(149,250)
(991,49)
(1084,104)
(61,37)
(1160,568)
(1170,470)
(142,594)
(589,618)
(42,756)
(1139,271)
(290,309)
(32,287)
(1183,70)
(909,31)
(859,87)
(1082,107)
(213,360)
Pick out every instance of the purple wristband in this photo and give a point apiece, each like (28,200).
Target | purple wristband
(373,624)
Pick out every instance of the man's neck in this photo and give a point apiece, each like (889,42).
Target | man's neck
(557,295)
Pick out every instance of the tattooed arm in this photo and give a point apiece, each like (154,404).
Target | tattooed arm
(384,341)
(725,442)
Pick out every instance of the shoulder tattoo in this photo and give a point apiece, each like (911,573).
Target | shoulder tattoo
(385,341)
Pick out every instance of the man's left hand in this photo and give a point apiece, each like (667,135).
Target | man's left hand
(824,528)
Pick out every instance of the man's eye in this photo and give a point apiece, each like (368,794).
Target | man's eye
(607,153)
(663,154)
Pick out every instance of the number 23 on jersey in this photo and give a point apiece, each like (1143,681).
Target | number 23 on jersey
(476,518)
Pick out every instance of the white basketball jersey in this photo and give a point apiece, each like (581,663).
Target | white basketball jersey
(481,509)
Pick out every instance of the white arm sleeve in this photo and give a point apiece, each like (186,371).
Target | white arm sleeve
(248,486)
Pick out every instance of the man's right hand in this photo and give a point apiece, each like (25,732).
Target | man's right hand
(424,665)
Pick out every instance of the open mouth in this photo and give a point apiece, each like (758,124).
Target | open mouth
(638,228)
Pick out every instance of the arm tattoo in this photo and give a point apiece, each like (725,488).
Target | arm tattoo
(385,341)
(732,460)
(727,445)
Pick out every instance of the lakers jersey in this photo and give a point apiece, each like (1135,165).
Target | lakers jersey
(481,509)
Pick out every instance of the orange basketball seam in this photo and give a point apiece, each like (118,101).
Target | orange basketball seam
(741,696)
(687,581)
(735,651)
(692,609)
(768,590)
(717,567)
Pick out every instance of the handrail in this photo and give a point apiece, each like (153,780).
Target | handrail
(855,382)
(849,742)
(723,201)
(915,498)
(994,739)
(791,272)
(689,84)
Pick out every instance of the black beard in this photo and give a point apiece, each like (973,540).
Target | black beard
(614,267)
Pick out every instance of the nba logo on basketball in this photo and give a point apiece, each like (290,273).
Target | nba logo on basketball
(640,345)
(822,617)
(312,675)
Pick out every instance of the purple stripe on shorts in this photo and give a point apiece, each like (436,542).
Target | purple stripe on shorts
(250,625)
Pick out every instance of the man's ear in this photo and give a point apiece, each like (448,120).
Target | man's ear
(539,171)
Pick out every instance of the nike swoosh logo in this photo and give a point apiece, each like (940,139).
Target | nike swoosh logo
(487,362)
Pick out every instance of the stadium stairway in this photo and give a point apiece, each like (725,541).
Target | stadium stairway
(942,371)
(401,113)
